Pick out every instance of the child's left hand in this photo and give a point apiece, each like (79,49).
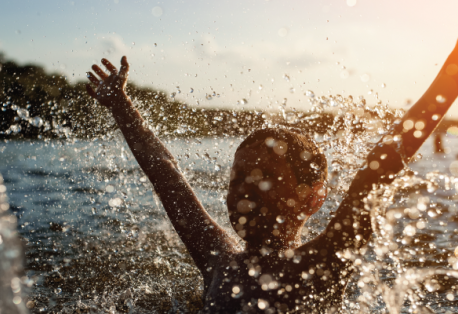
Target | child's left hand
(110,89)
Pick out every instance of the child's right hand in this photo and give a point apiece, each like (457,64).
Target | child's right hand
(110,89)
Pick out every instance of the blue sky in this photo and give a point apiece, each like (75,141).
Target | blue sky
(242,49)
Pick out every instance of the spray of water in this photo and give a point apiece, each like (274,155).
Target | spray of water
(127,267)
(12,281)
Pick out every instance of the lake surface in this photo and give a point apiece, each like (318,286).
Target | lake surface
(97,239)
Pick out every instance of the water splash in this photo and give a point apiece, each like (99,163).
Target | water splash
(124,266)
(12,258)
(402,270)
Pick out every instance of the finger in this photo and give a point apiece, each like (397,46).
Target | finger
(110,67)
(124,67)
(90,91)
(92,78)
(99,72)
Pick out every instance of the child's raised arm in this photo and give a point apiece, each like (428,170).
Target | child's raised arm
(199,232)
(351,227)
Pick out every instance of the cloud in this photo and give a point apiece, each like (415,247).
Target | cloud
(262,53)
(111,44)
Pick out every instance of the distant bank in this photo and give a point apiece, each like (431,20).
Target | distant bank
(38,105)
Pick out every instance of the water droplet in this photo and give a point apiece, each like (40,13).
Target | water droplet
(37,122)
(17,299)
(441,99)
(15,128)
(291,118)
(408,125)
(306,155)
(374,165)
(280,219)
(388,139)
(191,90)
(157,11)
(265,185)
(245,206)
(270,142)
(208,97)
(301,216)
(58,291)
(421,224)
(114,202)
(30,304)
(23,113)
(310,94)
(172,95)
(280,147)
(383,85)
(242,102)
(217,167)
(289,253)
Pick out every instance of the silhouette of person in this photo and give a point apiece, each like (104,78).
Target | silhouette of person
(278,181)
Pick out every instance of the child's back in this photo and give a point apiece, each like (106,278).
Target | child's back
(309,283)
(274,189)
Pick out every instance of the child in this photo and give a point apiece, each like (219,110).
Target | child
(278,181)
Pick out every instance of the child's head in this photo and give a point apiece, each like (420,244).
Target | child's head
(277,181)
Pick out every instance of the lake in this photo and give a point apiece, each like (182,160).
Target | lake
(97,239)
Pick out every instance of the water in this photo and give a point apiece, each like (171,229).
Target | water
(11,260)
(94,230)
(97,239)
(84,252)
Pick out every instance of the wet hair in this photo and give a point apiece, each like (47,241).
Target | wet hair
(298,143)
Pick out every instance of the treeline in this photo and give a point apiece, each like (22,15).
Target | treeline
(35,104)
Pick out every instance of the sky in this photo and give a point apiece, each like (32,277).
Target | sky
(261,51)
